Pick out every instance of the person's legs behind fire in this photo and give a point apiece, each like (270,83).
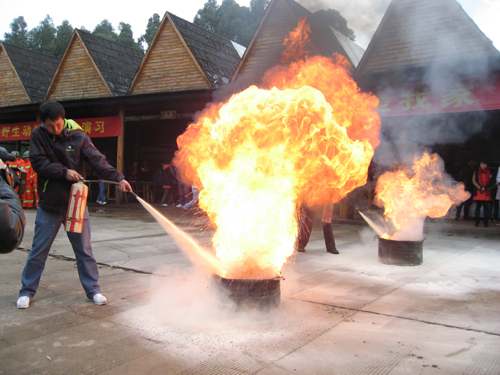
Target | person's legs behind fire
(101,198)
(167,195)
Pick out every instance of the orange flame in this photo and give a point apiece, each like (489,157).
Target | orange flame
(296,42)
(265,150)
(425,191)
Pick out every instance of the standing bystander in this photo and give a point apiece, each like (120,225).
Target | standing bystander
(29,192)
(306,225)
(482,196)
(166,176)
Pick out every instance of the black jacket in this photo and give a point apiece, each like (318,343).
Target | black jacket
(166,176)
(12,221)
(51,156)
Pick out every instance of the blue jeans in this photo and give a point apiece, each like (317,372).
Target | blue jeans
(102,192)
(183,192)
(196,193)
(47,225)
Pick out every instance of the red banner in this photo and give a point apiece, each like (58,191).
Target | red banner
(472,94)
(93,127)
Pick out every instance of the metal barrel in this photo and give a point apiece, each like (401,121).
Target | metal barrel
(258,294)
(400,253)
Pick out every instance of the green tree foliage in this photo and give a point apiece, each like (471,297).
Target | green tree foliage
(105,30)
(207,17)
(333,18)
(19,34)
(235,22)
(42,38)
(126,36)
(151,28)
(64,32)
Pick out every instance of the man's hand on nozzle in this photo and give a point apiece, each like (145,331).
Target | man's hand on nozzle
(72,175)
(124,186)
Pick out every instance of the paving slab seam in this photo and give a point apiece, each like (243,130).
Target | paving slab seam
(71,259)
(400,317)
(131,238)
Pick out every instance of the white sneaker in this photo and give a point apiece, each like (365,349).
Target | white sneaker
(23,302)
(99,202)
(99,299)
(179,205)
(164,204)
(103,203)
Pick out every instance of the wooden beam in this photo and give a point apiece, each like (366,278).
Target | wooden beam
(120,152)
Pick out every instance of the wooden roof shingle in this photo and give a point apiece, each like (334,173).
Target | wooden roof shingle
(417,34)
(117,63)
(35,70)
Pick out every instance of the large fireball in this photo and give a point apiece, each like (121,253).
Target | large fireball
(257,156)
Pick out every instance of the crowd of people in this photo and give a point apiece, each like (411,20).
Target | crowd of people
(175,192)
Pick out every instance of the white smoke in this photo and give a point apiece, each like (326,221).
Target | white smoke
(363,16)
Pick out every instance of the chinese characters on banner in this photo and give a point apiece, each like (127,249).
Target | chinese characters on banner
(93,127)
(421,99)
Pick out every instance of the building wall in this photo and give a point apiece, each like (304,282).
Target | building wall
(168,66)
(11,89)
(77,77)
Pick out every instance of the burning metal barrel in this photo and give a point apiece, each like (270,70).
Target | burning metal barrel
(259,294)
(400,253)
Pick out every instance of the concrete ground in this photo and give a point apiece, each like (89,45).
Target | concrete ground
(339,314)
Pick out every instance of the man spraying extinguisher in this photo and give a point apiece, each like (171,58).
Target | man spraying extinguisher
(58,150)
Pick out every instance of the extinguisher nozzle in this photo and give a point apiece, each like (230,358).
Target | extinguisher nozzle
(131,192)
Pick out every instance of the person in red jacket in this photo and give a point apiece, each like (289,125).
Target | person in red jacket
(29,192)
(482,196)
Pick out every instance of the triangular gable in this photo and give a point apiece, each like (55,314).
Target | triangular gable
(169,64)
(217,56)
(266,48)
(12,91)
(77,76)
(416,34)
(33,70)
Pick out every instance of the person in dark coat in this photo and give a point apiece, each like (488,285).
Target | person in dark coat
(166,176)
(58,150)
(134,172)
(484,183)
(12,220)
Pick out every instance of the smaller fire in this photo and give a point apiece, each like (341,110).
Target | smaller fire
(408,196)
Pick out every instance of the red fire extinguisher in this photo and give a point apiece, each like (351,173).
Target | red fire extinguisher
(76,207)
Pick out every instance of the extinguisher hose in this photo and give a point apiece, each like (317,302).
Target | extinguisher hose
(107,182)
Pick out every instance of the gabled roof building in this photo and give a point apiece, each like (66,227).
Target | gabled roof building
(94,67)
(24,75)
(437,77)
(183,56)
(418,37)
